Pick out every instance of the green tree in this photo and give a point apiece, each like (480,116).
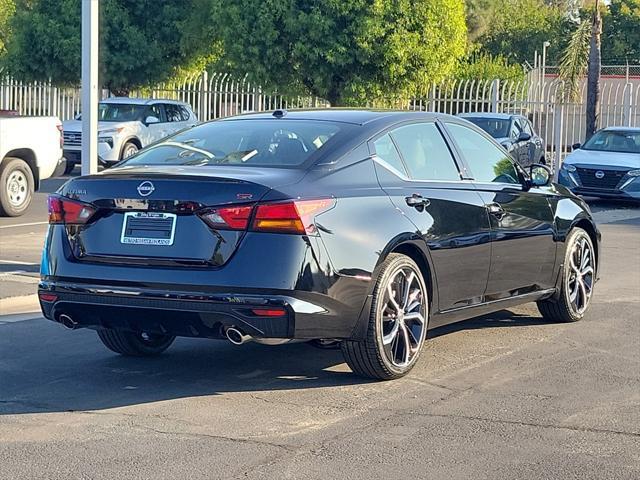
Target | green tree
(517,28)
(583,54)
(487,67)
(7,10)
(140,42)
(621,33)
(346,51)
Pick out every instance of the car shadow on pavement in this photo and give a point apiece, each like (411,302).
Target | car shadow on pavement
(44,368)
(499,319)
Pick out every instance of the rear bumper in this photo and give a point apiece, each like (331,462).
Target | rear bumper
(189,314)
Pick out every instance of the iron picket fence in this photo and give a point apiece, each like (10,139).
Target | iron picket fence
(559,119)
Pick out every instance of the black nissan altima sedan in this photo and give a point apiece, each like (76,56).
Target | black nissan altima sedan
(361,228)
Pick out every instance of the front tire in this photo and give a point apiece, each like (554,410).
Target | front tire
(16,187)
(135,344)
(397,323)
(128,150)
(578,279)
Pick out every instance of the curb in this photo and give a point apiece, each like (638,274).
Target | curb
(17,305)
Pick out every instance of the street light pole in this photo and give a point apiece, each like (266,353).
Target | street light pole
(89,86)
(545,45)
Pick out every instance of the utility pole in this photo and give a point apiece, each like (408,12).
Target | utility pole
(89,86)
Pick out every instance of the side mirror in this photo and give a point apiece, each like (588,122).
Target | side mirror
(524,137)
(576,146)
(540,175)
(151,119)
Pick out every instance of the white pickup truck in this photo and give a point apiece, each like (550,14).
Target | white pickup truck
(30,151)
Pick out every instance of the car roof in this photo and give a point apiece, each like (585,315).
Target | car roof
(140,101)
(622,129)
(497,116)
(344,115)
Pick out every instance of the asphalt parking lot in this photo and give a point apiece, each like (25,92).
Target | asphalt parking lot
(504,396)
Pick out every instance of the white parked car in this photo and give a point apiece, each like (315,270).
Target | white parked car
(606,166)
(30,151)
(125,125)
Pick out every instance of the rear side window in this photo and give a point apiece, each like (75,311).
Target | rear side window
(487,161)
(386,150)
(175,113)
(425,152)
(270,143)
(185,113)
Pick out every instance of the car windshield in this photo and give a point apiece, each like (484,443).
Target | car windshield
(622,141)
(496,127)
(270,143)
(120,112)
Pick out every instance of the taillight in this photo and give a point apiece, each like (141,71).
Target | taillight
(228,218)
(61,131)
(63,210)
(290,217)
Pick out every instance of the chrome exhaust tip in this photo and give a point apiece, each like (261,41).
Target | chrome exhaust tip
(235,336)
(67,321)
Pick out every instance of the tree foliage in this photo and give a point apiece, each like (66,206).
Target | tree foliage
(346,51)
(7,10)
(483,66)
(515,29)
(140,42)
(621,33)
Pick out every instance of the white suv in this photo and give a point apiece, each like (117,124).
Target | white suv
(125,125)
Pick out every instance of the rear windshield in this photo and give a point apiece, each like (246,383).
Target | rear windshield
(274,143)
(496,127)
(622,141)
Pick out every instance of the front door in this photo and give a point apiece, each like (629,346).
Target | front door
(416,168)
(522,222)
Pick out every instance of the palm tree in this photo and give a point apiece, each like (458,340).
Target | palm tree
(581,56)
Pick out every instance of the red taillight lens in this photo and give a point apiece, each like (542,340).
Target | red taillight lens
(69,212)
(269,312)
(228,218)
(48,297)
(290,217)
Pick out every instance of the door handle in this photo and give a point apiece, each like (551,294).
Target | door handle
(496,210)
(416,200)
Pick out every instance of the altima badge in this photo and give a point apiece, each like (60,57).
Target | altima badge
(146,188)
(599,174)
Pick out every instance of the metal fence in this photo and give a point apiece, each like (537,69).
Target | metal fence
(560,122)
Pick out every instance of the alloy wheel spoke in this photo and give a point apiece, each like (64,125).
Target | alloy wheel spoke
(407,289)
(392,299)
(388,338)
(416,316)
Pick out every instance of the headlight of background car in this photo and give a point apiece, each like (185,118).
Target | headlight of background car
(568,167)
(107,140)
(634,173)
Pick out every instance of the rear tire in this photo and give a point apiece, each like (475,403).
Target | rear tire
(134,344)
(16,187)
(578,279)
(397,323)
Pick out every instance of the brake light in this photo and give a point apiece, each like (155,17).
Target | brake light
(65,211)
(228,218)
(290,217)
(269,312)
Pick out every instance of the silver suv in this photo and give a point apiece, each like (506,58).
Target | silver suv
(125,125)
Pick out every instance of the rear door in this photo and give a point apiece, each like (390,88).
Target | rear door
(522,222)
(416,168)
(154,131)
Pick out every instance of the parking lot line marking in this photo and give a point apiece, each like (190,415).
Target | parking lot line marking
(23,225)
(17,262)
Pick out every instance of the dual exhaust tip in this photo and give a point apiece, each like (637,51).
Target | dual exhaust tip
(236,337)
(67,321)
